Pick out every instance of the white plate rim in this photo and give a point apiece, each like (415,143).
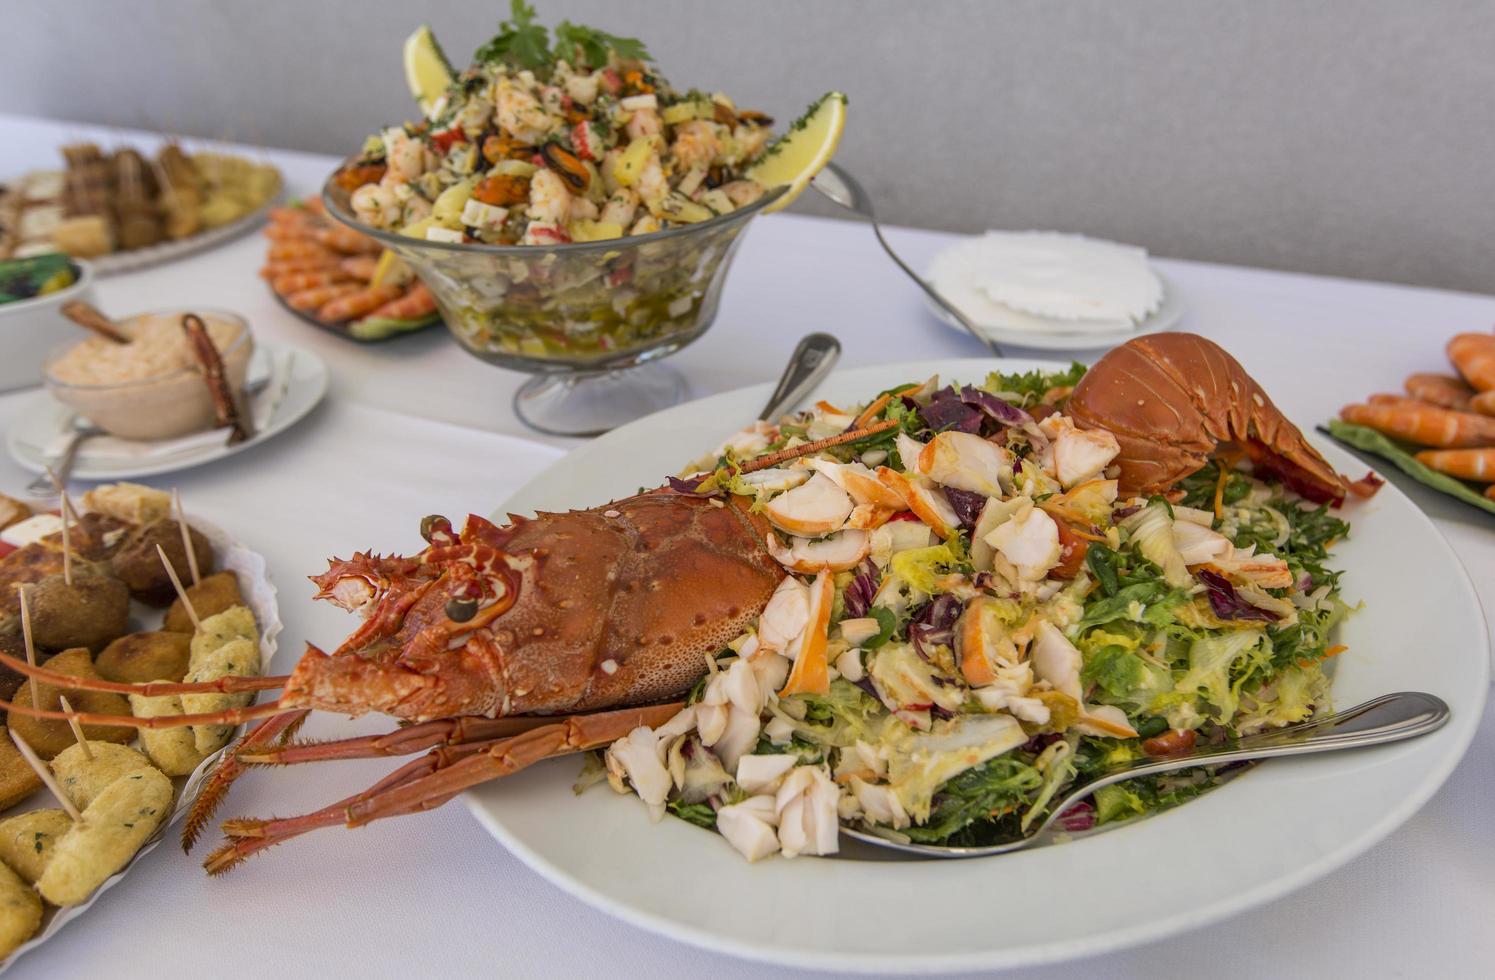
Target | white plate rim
(1462,729)
(1166,317)
(309,384)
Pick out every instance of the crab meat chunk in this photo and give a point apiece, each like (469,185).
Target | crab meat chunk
(783,619)
(879,804)
(838,552)
(637,757)
(928,502)
(806,804)
(749,826)
(966,462)
(1082,454)
(764,773)
(860,482)
(859,631)
(1030,540)
(776,479)
(1056,660)
(813,509)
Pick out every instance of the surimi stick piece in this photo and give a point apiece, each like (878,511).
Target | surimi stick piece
(177,584)
(44,773)
(72,723)
(181,523)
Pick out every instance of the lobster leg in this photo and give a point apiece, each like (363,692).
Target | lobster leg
(403,741)
(223,685)
(272,730)
(428,782)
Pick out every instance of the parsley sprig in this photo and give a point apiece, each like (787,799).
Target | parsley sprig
(524,43)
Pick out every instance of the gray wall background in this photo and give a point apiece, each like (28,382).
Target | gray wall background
(1352,137)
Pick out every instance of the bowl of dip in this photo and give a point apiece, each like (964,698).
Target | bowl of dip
(152,387)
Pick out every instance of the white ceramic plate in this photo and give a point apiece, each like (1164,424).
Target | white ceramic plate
(260,595)
(43,418)
(1165,317)
(1271,830)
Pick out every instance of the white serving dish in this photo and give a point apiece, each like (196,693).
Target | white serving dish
(30,329)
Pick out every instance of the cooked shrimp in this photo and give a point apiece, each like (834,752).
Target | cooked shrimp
(289,231)
(1483,403)
(310,299)
(549,200)
(377,205)
(1474,355)
(743,192)
(406,156)
(285,267)
(348,241)
(697,143)
(620,208)
(642,123)
(519,112)
(581,210)
(359,266)
(653,185)
(295,282)
(300,250)
(1423,424)
(1467,464)
(288,216)
(414,305)
(351,306)
(1443,390)
(749,141)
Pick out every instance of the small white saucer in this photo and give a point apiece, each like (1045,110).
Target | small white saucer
(1165,317)
(43,422)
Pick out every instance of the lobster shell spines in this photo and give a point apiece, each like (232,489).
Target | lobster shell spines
(1171,399)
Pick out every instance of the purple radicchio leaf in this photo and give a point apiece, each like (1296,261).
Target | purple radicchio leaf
(688,487)
(1227,604)
(934,624)
(1079,817)
(947,413)
(1004,412)
(857,599)
(866,684)
(943,714)
(967,506)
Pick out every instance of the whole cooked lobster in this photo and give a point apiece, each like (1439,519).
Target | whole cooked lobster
(501,646)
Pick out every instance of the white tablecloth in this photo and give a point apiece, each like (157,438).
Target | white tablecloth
(415,426)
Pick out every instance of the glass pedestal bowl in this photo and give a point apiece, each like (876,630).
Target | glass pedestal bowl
(588,320)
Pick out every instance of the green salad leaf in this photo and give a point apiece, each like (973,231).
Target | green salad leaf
(986,792)
(1027,387)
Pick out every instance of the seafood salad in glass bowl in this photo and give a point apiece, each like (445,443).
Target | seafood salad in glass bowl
(975,617)
(572,212)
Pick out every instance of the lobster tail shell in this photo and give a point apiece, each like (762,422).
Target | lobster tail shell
(1171,399)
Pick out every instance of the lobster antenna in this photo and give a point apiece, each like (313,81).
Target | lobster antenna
(45,775)
(176,583)
(72,721)
(181,523)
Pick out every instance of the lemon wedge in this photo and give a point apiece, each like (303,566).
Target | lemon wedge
(391,269)
(427,71)
(797,156)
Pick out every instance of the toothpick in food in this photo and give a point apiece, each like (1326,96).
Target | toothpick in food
(181,521)
(177,584)
(44,773)
(72,721)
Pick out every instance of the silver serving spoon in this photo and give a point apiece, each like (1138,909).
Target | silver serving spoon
(841,188)
(1390,718)
(811,361)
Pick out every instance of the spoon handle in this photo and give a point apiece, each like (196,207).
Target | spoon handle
(811,362)
(841,188)
(1389,718)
